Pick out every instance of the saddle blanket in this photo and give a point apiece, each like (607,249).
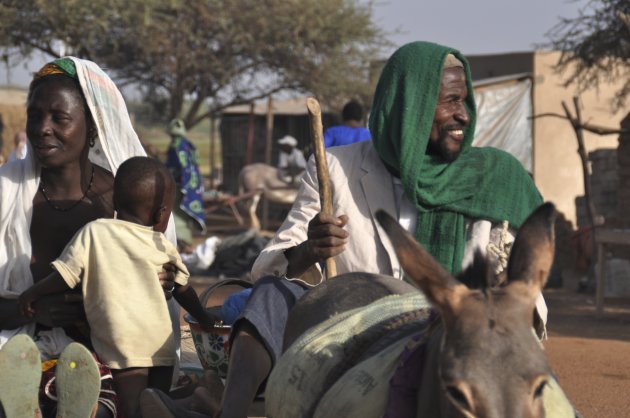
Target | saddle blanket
(355,352)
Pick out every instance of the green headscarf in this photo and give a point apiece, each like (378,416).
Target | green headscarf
(482,183)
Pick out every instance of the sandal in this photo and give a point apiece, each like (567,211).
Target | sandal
(20,376)
(78,382)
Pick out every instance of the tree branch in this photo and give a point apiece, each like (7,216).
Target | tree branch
(599,130)
(237,102)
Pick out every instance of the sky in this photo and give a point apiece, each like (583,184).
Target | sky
(472,26)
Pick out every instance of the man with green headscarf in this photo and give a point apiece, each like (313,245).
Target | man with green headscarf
(421,168)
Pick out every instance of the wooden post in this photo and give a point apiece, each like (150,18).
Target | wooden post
(600,278)
(323,178)
(212,149)
(268,149)
(591,213)
(269,129)
(579,133)
(249,150)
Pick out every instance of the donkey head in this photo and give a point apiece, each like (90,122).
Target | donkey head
(491,363)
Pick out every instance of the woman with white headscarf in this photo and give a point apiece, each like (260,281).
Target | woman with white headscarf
(79,133)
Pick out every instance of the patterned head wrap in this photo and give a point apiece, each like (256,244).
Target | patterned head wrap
(63,66)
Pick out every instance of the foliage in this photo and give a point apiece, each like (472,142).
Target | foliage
(595,45)
(212,53)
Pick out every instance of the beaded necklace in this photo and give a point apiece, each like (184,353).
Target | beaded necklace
(42,188)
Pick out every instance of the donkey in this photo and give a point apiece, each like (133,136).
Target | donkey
(486,361)
(263,179)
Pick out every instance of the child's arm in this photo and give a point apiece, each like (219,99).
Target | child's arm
(187,298)
(51,284)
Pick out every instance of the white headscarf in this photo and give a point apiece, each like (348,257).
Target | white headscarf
(19,180)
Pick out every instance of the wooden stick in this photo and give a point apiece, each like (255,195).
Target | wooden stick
(323,177)
(579,134)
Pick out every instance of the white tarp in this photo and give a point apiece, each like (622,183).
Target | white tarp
(503,109)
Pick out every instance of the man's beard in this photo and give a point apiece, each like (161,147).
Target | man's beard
(440,149)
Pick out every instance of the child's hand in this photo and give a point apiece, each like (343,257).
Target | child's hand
(167,279)
(26,300)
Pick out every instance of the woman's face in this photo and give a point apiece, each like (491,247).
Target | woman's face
(56,123)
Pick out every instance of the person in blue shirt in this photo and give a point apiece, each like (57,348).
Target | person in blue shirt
(351,131)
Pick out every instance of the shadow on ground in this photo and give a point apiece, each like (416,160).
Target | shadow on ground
(573,314)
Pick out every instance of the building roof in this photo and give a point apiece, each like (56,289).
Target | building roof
(485,82)
(295,106)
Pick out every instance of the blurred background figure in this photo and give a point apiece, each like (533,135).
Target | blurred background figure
(19,152)
(291,162)
(182,162)
(1,137)
(353,129)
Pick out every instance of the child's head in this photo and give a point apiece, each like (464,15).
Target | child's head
(144,192)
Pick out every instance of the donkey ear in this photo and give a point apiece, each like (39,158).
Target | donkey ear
(426,272)
(532,254)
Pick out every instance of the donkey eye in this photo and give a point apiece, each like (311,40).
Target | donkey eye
(539,389)
(458,397)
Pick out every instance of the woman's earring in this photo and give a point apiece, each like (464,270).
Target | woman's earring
(92,140)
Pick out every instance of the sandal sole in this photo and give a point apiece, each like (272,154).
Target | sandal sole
(20,376)
(78,382)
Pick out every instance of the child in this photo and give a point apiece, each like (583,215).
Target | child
(116,261)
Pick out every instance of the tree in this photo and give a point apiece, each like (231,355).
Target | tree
(595,45)
(209,53)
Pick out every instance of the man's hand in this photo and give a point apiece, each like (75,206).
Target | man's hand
(167,279)
(59,310)
(325,238)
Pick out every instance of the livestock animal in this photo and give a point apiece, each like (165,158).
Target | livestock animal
(486,361)
(263,180)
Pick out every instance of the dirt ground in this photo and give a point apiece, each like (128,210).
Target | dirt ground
(590,355)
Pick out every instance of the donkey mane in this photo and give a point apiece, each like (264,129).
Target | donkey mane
(478,275)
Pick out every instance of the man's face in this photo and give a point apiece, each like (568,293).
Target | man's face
(447,131)
(286,148)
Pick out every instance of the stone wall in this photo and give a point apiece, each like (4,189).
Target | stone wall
(610,186)
(604,187)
